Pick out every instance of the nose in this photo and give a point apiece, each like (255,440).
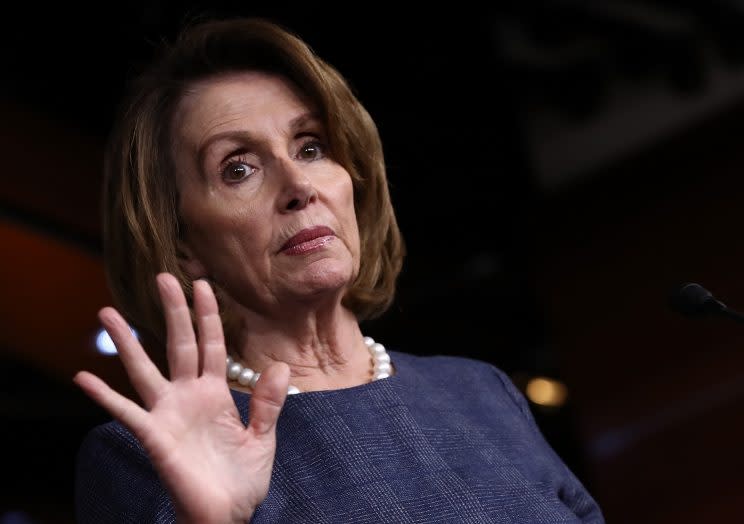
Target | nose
(297,190)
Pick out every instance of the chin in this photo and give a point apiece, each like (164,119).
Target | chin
(330,276)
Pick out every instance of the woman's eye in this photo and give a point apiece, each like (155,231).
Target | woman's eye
(311,151)
(237,171)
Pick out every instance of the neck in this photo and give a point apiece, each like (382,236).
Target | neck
(324,348)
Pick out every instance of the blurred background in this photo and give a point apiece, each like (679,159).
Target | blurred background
(558,168)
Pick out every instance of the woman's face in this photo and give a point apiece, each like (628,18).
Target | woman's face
(268,215)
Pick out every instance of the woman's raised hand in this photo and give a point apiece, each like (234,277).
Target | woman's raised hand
(215,468)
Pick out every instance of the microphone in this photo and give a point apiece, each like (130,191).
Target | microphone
(692,299)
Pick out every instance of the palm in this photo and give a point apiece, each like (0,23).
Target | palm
(201,449)
(215,468)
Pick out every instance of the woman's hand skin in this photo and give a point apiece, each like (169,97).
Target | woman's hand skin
(216,469)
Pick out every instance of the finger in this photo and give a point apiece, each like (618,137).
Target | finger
(209,324)
(143,374)
(121,408)
(268,398)
(183,355)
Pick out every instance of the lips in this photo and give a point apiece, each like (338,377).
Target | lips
(308,239)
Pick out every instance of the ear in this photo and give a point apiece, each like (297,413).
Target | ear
(189,262)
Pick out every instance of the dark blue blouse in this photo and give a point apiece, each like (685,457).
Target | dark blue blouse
(446,439)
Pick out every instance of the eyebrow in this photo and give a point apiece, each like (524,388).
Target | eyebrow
(246,137)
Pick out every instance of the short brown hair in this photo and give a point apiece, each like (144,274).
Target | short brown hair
(140,207)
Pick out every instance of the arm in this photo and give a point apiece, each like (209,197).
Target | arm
(215,469)
(113,471)
(570,489)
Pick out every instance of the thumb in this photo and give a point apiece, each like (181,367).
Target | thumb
(268,398)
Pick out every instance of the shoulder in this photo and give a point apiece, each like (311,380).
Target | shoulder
(441,363)
(468,376)
(112,469)
(481,397)
(452,368)
(106,440)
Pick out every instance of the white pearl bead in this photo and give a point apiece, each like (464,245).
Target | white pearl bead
(245,376)
(234,370)
(383,367)
(382,358)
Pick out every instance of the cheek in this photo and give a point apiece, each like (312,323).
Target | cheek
(353,228)
(213,212)
(346,197)
(226,227)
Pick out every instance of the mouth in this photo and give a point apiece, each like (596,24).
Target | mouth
(308,240)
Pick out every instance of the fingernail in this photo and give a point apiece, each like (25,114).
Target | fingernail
(205,280)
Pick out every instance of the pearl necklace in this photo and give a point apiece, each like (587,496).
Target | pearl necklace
(381,367)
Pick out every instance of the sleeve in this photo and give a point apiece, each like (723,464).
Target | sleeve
(115,483)
(570,489)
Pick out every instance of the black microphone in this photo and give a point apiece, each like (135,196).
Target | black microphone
(692,299)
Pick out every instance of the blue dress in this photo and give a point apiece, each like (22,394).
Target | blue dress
(444,440)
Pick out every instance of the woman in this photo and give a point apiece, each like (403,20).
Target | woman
(248,183)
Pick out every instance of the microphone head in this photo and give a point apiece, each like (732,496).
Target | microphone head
(693,299)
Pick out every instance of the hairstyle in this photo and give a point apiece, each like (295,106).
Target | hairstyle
(140,205)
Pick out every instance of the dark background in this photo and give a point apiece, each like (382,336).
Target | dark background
(557,169)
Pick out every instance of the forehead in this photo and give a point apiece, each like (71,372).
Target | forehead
(234,101)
